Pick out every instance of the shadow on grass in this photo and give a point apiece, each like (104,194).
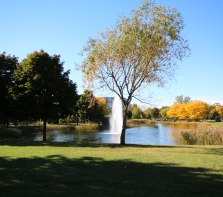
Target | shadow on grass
(20,142)
(216,151)
(57,175)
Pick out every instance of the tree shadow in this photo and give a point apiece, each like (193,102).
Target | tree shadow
(217,150)
(57,175)
(15,142)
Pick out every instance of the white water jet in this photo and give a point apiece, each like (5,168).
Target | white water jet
(116,116)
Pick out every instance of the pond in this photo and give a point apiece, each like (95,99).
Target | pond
(157,134)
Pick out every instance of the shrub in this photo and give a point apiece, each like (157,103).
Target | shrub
(10,133)
(188,137)
(218,119)
(203,135)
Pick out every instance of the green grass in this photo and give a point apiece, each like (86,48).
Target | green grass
(217,124)
(90,169)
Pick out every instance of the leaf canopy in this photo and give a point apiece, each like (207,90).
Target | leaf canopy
(140,50)
(42,88)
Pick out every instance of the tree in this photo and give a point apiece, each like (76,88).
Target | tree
(85,103)
(8,64)
(181,99)
(182,112)
(42,88)
(163,112)
(197,110)
(147,113)
(97,111)
(178,111)
(92,108)
(213,114)
(129,114)
(136,111)
(173,111)
(103,105)
(219,109)
(155,112)
(139,51)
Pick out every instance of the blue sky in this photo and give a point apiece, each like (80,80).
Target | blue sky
(64,26)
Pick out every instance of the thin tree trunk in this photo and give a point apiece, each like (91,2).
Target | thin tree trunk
(44,129)
(77,120)
(122,138)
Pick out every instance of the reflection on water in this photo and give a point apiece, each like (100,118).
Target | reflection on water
(160,134)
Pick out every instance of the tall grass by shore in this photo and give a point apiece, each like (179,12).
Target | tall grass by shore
(136,122)
(204,134)
(79,127)
(14,133)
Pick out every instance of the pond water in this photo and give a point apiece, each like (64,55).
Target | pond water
(157,134)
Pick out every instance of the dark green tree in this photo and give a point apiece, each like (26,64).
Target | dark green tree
(84,103)
(7,66)
(42,88)
(89,108)
(213,115)
(95,113)
(129,114)
(155,112)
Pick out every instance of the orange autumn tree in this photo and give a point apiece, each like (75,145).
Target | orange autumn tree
(197,110)
(178,111)
(182,111)
(193,110)
(219,109)
(173,111)
(104,107)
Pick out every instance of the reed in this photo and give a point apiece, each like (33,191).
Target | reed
(88,127)
(50,127)
(136,122)
(204,134)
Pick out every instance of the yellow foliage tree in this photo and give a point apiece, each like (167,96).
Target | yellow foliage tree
(182,113)
(103,105)
(147,113)
(219,109)
(197,110)
(173,111)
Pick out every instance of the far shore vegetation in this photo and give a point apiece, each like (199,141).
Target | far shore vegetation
(205,133)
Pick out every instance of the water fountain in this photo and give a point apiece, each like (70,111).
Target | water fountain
(116,116)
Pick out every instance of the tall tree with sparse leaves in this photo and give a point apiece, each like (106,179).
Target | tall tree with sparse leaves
(139,51)
(181,99)
(42,88)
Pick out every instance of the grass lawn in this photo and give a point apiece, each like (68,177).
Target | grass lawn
(217,124)
(77,169)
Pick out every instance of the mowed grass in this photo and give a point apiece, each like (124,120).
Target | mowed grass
(90,169)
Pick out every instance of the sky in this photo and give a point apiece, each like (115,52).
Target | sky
(64,26)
